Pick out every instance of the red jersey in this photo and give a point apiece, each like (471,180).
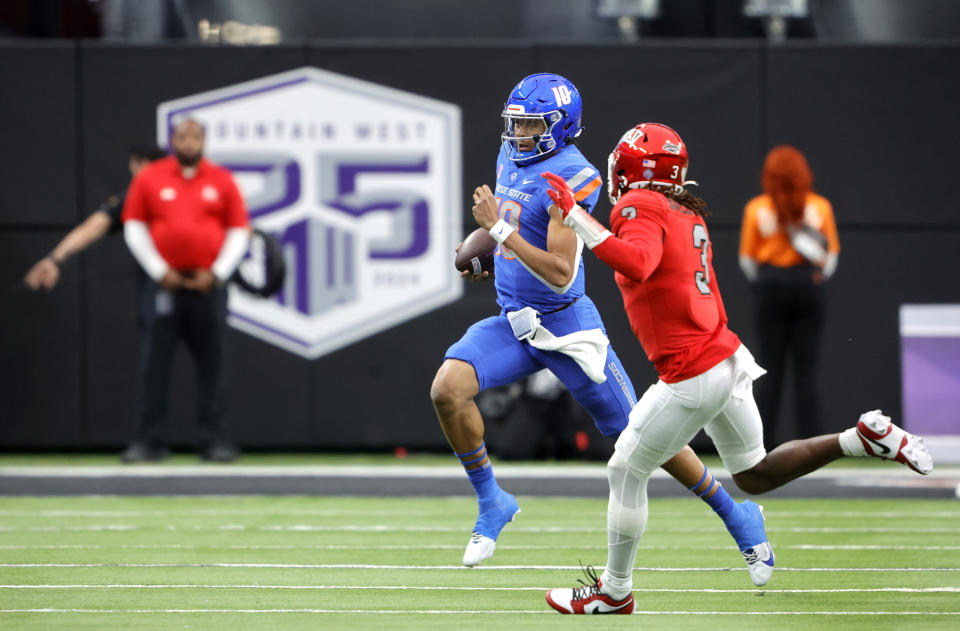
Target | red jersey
(664,267)
(187,218)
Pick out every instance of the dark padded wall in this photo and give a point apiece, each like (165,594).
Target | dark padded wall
(39,113)
(875,122)
(40,335)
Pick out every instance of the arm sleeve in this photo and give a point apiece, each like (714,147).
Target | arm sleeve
(636,249)
(231,253)
(141,245)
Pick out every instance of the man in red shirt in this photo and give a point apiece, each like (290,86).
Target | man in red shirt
(186,224)
(660,249)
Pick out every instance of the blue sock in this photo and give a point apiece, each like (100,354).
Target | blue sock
(482,477)
(721,502)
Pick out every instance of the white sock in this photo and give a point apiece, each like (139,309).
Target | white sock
(851,444)
(616,587)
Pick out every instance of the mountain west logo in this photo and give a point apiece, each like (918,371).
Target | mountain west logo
(360,183)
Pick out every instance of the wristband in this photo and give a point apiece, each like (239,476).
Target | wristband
(501,230)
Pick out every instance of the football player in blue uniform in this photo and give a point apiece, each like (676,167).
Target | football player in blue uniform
(546,321)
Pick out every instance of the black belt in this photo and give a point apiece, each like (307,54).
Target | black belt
(561,308)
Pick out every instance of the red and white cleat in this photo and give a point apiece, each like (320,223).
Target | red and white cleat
(589,598)
(883,439)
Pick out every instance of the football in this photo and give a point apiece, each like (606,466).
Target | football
(476,253)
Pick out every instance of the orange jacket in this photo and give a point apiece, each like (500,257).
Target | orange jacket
(764,241)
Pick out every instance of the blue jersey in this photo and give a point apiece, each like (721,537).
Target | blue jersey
(522,200)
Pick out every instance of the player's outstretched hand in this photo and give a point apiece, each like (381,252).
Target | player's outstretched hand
(560,193)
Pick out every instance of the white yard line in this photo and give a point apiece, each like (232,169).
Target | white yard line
(453,529)
(363,566)
(460,612)
(214,546)
(909,590)
(380,512)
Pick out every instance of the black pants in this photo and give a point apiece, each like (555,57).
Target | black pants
(200,320)
(790,315)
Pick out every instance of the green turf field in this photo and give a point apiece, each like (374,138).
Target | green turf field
(376,563)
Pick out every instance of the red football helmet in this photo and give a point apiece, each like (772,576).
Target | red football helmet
(650,154)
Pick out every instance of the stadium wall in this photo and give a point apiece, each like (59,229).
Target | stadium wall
(876,122)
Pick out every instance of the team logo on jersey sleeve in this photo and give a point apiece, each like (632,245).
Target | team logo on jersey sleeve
(360,185)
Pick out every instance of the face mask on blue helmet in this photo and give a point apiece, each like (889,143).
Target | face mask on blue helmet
(551,106)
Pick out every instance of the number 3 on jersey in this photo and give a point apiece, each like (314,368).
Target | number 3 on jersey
(702,242)
(509,211)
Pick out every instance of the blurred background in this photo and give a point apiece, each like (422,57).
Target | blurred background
(867,89)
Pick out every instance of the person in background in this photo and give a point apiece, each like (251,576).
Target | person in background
(186,224)
(45,273)
(788,249)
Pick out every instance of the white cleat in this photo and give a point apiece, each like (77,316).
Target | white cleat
(479,549)
(491,520)
(760,561)
(883,439)
(589,598)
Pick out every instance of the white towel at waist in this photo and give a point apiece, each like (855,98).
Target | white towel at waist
(587,348)
(746,370)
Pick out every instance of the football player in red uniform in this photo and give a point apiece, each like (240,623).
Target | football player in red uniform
(659,247)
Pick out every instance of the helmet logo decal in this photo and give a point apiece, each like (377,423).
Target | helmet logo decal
(632,136)
(671,147)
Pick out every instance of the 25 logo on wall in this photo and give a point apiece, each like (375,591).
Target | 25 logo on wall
(361,185)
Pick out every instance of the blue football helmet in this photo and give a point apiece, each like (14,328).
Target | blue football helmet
(546,98)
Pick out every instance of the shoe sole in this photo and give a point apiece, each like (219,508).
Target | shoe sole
(911,453)
(624,610)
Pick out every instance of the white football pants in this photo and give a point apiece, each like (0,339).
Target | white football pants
(666,418)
